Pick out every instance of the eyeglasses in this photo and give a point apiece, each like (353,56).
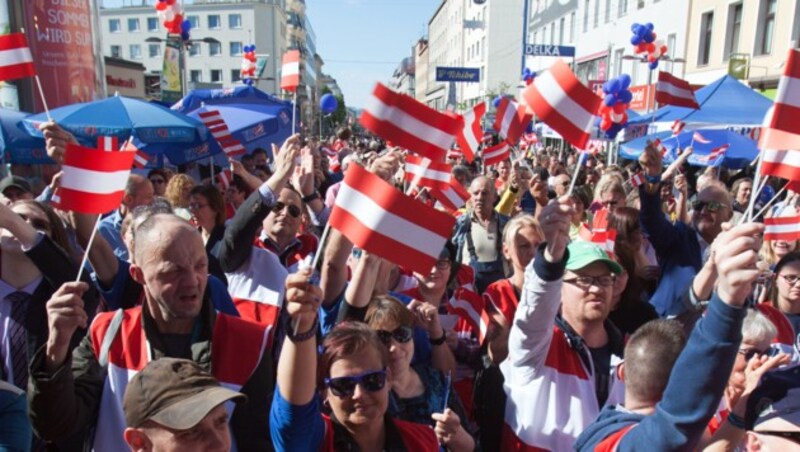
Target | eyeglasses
(790,279)
(710,206)
(585,282)
(196,206)
(294,211)
(443,264)
(37,223)
(607,203)
(791,436)
(372,381)
(401,334)
(155,181)
(749,353)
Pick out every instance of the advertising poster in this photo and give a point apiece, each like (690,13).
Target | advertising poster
(171,89)
(60,37)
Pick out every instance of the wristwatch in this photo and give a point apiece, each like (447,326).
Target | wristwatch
(311,197)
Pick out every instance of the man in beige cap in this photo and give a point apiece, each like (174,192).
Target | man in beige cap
(173,405)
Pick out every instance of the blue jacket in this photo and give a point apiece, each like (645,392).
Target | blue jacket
(463,224)
(678,253)
(692,394)
(15,430)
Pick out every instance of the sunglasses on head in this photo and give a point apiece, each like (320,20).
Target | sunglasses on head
(401,334)
(294,211)
(372,381)
(710,206)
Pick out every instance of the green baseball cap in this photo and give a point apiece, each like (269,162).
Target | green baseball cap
(583,253)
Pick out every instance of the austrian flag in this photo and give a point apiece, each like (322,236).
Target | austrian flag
(782,228)
(15,57)
(511,119)
(453,198)
(93,181)
(671,90)
(496,154)
(423,172)
(409,124)
(469,138)
(290,71)
(373,215)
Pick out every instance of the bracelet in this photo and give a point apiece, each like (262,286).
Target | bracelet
(309,198)
(653,179)
(300,337)
(439,340)
(736,421)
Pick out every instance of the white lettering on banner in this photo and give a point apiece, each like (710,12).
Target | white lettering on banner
(542,50)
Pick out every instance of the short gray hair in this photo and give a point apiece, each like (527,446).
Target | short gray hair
(756,327)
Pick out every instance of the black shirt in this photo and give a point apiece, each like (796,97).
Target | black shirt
(601,358)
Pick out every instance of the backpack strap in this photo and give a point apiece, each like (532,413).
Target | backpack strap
(109,336)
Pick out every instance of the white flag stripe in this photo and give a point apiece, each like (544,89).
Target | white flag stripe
(554,94)
(675,90)
(790,157)
(19,55)
(427,173)
(470,311)
(508,117)
(781,228)
(472,140)
(375,217)
(291,69)
(456,200)
(788,91)
(500,151)
(410,124)
(89,181)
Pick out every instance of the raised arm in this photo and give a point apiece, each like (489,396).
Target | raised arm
(662,234)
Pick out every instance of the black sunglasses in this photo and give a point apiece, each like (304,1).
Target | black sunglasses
(372,381)
(294,211)
(401,334)
(750,353)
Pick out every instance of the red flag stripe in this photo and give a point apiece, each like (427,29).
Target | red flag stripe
(453,198)
(496,154)
(140,160)
(783,164)
(677,126)
(559,99)
(469,138)
(93,160)
(107,143)
(78,201)
(782,130)
(469,305)
(700,138)
(673,91)
(290,70)
(511,119)
(16,60)
(782,228)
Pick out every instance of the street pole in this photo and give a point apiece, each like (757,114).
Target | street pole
(524,34)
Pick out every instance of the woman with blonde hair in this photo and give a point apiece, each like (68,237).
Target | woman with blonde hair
(177,193)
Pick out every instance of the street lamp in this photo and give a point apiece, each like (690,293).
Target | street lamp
(182,49)
(643,59)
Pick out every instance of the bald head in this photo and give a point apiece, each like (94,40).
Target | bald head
(160,231)
(138,192)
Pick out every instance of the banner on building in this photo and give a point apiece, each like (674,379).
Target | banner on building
(171,87)
(261,65)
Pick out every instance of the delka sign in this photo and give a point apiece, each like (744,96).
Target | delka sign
(548,50)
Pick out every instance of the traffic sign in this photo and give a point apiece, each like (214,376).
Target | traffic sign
(548,50)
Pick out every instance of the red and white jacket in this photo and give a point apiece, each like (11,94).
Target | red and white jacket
(551,392)
(257,287)
(232,363)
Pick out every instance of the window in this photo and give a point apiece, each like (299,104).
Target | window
(596,13)
(152,24)
(572,27)
(706,29)
(535,36)
(195,21)
(734,30)
(623,7)
(136,51)
(116,51)
(639,4)
(608,11)
(214,22)
(234,21)
(585,16)
(195,75)
(114,26)
(154,50)
(215,48)
(236,48)
(553,33)
(561,31)
(672,40)
(216,75)
(236,75)
(766,27)
(133,25)
(617,71)
(195,49)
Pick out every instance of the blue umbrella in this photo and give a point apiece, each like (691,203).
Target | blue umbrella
(18,146)
(741,150)
(122,117)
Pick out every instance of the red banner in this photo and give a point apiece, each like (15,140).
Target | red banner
(60,38)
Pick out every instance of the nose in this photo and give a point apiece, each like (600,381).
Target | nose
(358,392)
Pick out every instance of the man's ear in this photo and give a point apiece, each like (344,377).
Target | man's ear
(126,199)
(137,274)
(137,440)
(621,371)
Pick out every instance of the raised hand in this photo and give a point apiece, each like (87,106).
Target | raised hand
(386,165)
(735,254)
(56,140)
(302,299)
(650,160)
(556,219)
(427,317)
(284,162)
(65,314)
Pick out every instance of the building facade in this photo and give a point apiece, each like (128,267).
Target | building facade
(125,78)
(233,24)
(421,69)
(746,38)
(403,79)
(446,42)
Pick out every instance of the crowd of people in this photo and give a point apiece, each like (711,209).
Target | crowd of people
(201,322)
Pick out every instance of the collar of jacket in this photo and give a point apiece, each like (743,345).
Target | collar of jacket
(574,340)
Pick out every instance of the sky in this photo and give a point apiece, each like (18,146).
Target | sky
(360,41)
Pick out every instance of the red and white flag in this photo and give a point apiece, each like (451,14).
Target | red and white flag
(700,138)
(559,99)
(782,228)
(290,71)
(219,130)
(782,129)
(224,178)
(496,154)
(16,60)
(423,172)
(409,124)
(677,127)
(528,140)
(659,146)
(487,137)
(604,238)
(715,153)
(636,180)
(140,158)
(92,181)
(470,306)
(511,119)
(783,164)
(671,90)
(594,147)
(333,158)
(453,198)
(470,136)
(454,153)
(373,215)
(107,143)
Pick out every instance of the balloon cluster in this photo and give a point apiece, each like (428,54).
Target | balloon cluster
(328,103)
(644,41)
(613,111)
(172,17)
(528,76)
(248,70)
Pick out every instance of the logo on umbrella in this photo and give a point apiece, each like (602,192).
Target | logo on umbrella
(284,117)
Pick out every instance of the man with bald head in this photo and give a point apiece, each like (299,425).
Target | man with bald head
(138,192)
(478,234)
(177,319)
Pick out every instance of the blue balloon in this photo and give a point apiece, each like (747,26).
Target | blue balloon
(649,38)
(610,100)
(186,25)
(625,80)
(634,27)
(185,35)
(328,103)
(636,40)
(616,85)
(625,96)
(766,194)
(496,101)
(653,65)
(649,26)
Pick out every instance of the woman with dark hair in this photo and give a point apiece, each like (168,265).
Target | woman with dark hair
(159,179)
(783,307)
(354,379)
(208,213)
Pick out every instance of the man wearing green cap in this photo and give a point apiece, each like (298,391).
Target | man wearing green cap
(561,367)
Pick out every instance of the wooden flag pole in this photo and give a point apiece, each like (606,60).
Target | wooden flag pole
(88,247)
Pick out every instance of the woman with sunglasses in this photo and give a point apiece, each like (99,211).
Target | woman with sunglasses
(208,213)
(351,379)
(158,178)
